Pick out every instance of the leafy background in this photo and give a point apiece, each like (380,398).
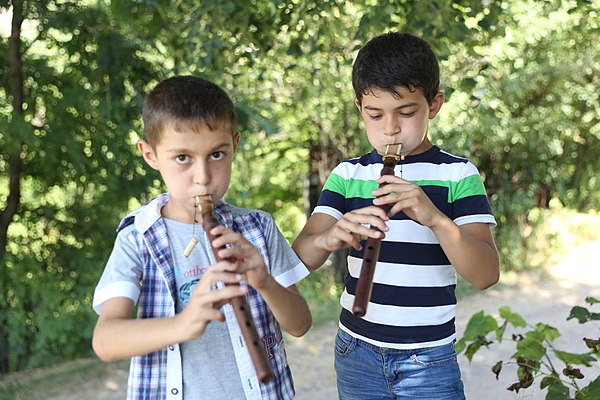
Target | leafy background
(521,80)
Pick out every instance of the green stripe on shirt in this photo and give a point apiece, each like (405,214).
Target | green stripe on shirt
(469,186)
(350,187)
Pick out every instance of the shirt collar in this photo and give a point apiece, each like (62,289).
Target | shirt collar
(151,213)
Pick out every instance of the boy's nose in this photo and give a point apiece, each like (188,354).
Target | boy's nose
(391,127)
(201,174)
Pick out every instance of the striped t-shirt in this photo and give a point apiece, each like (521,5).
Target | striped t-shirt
(413,301)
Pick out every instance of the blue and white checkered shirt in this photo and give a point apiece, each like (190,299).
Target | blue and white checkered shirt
(158,375)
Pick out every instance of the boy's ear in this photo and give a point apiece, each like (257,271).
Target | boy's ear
(147,153)
(357,103)
(236,141)
(436,104)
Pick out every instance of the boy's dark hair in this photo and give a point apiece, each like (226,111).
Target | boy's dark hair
(396,59)
(185,102)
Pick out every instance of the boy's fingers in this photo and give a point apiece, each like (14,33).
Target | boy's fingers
(210,278)
(238,249)
(350,239)
(359,232)
(390,179)
(361,225)
(220,296)
(219,230)
(367,212)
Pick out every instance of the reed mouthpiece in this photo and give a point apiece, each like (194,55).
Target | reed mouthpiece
(202,200)
(393,150)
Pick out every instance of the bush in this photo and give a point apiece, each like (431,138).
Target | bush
(535,352)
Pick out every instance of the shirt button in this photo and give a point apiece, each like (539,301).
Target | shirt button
(174,391)
(171,348)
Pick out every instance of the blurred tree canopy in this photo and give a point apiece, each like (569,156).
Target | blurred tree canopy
(521,80)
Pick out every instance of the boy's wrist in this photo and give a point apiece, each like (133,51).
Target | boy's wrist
(266,284)
(441,223)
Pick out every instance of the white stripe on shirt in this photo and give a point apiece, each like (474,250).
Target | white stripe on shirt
(402,316)
(407,275)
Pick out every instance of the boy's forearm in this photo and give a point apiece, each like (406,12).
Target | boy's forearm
(288,306)
(118,339)
(471,250)
(307,249)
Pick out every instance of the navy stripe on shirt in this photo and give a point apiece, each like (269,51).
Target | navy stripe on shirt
(412,253)
(397,334)
(465,206)
(407,296)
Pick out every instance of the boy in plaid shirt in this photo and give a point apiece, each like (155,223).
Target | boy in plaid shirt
(184,342)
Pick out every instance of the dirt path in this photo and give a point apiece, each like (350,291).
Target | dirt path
(538,297)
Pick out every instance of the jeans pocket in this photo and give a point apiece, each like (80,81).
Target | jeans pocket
(344,343)
(435,356)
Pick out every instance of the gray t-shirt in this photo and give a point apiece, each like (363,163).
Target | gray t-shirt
(209,364)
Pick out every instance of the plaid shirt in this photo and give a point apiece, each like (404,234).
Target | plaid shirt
(158,375)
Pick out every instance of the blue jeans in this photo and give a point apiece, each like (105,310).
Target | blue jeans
(368,372)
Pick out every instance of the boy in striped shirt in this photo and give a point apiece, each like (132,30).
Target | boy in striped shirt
(438,223)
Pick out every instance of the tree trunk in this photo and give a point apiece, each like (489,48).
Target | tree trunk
(322,158)
(15,75)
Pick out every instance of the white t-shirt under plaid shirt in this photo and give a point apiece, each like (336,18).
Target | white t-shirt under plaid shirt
(158,375)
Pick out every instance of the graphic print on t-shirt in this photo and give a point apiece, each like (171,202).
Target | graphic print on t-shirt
(187,280)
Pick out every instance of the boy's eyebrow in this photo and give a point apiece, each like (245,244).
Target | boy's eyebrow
(397,108)
(187,149)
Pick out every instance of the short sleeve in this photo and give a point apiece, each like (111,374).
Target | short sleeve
(123,271)
(332,200)
(285,266)
(469,199)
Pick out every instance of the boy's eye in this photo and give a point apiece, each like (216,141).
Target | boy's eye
(217,155)
(182,159)
(375,117)
(408,115)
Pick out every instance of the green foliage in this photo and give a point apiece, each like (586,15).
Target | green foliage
(322,292)
(535,352)
(76,151)
(528,118)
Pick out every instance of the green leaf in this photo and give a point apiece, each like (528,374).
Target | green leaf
(591,300)
(472,349)
(557,391)
(500,332)
(549,333)
(515,319)
(590,392)
(583,315)
(580,313)
(480,324)
(530,349)
(550,380)
(574,358)
(460,346)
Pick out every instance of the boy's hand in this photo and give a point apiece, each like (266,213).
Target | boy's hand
(353,227)
(408,197)
(247,258)
(204,303)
